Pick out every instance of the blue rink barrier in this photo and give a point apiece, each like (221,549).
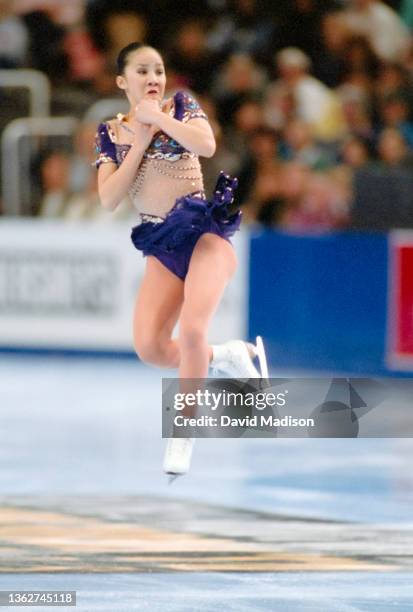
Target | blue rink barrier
(320,302)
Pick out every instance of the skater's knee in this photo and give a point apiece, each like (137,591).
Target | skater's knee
(149,350)
(146,353)
(192,334)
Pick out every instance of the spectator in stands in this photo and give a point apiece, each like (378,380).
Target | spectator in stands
(323,207)
(14,38)
(85,61)
(47,23)
(392,149)
(122,27)
(354,152)
(301,26)
(246,118)
(406,13)
(300,146)
(330,62)
(60,12)
(279,105)
(393,79)
(246,27)
(315,103)
(395,113)
(112,27)
(356,106)
(360,60)
(259,187)
(82,198)
(190,57)
(54,182)
(310,125)
(239,77)
(225,156)
(46,49)
(294,178)
(386,32)
(83,201)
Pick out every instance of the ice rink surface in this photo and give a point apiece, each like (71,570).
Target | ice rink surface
(76,429)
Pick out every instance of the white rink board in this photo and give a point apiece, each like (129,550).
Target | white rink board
(72,285)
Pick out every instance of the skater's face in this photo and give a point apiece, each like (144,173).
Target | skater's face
(143,75)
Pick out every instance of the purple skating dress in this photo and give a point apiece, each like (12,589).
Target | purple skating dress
(168,193)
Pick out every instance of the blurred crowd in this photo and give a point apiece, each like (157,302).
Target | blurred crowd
(303,95)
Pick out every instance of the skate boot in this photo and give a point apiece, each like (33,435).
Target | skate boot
(177,460)
(235,359)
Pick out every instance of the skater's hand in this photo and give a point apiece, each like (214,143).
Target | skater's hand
(148,111)
(144,133)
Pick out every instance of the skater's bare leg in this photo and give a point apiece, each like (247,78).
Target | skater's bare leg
(212,265)
(157,309)
(161,297)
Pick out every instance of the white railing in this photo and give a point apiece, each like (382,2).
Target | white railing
(36,82)
(16,162)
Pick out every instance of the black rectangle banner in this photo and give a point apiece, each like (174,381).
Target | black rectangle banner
(287,408)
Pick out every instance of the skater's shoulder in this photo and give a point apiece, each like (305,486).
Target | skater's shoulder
(107,129)
(187,106)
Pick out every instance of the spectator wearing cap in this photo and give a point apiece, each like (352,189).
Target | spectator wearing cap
(315,103)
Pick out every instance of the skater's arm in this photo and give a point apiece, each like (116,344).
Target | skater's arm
(195,135)
(113,182)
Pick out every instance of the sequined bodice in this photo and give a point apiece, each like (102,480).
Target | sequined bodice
(161,148)
(168,170)
(161,179)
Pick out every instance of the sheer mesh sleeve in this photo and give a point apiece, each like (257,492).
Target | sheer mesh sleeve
(105,148)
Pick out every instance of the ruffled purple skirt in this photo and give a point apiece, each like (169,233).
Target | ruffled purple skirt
(173,240)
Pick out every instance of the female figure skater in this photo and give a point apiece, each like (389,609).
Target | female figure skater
(152,154)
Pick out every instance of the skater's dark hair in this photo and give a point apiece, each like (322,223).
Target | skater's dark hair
(123,56)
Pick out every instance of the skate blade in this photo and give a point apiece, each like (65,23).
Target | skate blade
(262,357)
(173,477)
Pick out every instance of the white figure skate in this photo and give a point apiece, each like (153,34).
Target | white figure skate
(177,460)
(235,359)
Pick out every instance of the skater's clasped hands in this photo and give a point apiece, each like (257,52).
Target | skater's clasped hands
(148,111)
(146,117)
